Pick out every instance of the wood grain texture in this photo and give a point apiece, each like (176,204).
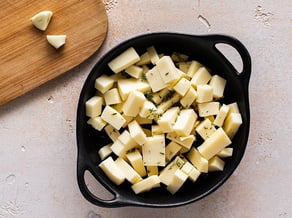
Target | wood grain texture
(27,60)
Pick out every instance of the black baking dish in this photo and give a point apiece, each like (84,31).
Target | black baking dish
(200,48)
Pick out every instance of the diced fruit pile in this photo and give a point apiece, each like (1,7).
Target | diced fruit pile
(164,118)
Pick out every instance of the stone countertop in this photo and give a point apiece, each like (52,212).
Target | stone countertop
(37,131)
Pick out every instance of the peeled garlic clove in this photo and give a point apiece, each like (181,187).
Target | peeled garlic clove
(42,19)
(56,40)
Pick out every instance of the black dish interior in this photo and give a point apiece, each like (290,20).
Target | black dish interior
(200,48)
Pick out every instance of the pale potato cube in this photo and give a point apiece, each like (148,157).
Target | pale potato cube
(57,41)
(194,174)
(185,122)
(156,130)
(112,132)
(126,86)
(177,181)
(134,103)
(136,161)
(193,68)
(201,77)
(113,172)
(171,150)
(104,83)
(152,170)
(42,19)
(144,59)
(223,111)
(131,175)
(167,173)
(148,110)
(198,160)
(168,103)
(119,148)
(215,164)
(186,142)
(142,120)
(112,96)
(124,60)
(119,107)
(93,106)
(167,69)
(159,96)
(128,120)
(155,80)
(187,100)
(184,66)
(205,93)
(208,108)
(233,108)
(97,123)
(215,143)
(225,152)
(146,184)
(232,123)
(153,151)
(137,132)
(113,117)
(167,120)
(178,57)
(127,140)
(105,151)
(205,129)
(153,54)
(218,84)
(134,71)
(182,86)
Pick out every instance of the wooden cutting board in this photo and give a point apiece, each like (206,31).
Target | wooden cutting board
(26,58)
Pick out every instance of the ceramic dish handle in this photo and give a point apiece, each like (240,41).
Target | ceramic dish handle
(240,48)
(117,200)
